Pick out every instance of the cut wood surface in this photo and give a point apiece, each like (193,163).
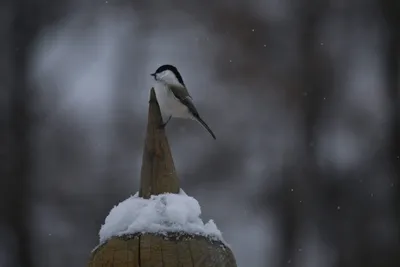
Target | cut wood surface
(170,250)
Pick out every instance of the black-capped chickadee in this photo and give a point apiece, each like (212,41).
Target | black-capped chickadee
(173,98)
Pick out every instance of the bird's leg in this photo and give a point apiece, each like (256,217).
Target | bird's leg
(162,126)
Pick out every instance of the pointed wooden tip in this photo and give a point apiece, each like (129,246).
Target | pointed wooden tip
(158,173)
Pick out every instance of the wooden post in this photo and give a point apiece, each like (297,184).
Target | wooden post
(150,249)
(158,173)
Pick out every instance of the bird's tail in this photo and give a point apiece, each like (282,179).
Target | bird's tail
(205,126)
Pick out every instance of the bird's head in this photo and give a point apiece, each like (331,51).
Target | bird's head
(168,74)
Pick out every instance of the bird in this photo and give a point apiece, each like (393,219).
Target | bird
(173,97)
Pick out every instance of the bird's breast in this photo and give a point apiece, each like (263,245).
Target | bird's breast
(169,104)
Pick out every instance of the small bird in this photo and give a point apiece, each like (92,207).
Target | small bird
(173,97)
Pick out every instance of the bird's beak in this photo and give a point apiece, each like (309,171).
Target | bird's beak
(153,74)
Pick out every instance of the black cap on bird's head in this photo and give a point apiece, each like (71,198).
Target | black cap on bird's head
(170,68)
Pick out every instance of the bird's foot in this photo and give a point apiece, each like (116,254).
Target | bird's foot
(162,125)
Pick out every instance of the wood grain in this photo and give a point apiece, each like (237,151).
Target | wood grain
(185,257)
(117,253)
(170,250)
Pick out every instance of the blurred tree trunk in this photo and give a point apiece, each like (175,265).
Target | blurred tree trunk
(18,212)
(28,18)
(25,24)
(301,195)
(391,12)
(9,197)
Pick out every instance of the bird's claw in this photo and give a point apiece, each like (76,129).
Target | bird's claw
(162,125)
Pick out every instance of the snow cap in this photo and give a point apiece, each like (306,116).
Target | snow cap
(160,214)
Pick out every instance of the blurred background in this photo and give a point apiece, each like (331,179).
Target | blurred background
(304,97)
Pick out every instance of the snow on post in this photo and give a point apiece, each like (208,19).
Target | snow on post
(160,225)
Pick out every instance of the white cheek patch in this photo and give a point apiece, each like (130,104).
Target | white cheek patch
(161,76)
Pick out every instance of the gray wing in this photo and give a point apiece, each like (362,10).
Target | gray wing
(184,97)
